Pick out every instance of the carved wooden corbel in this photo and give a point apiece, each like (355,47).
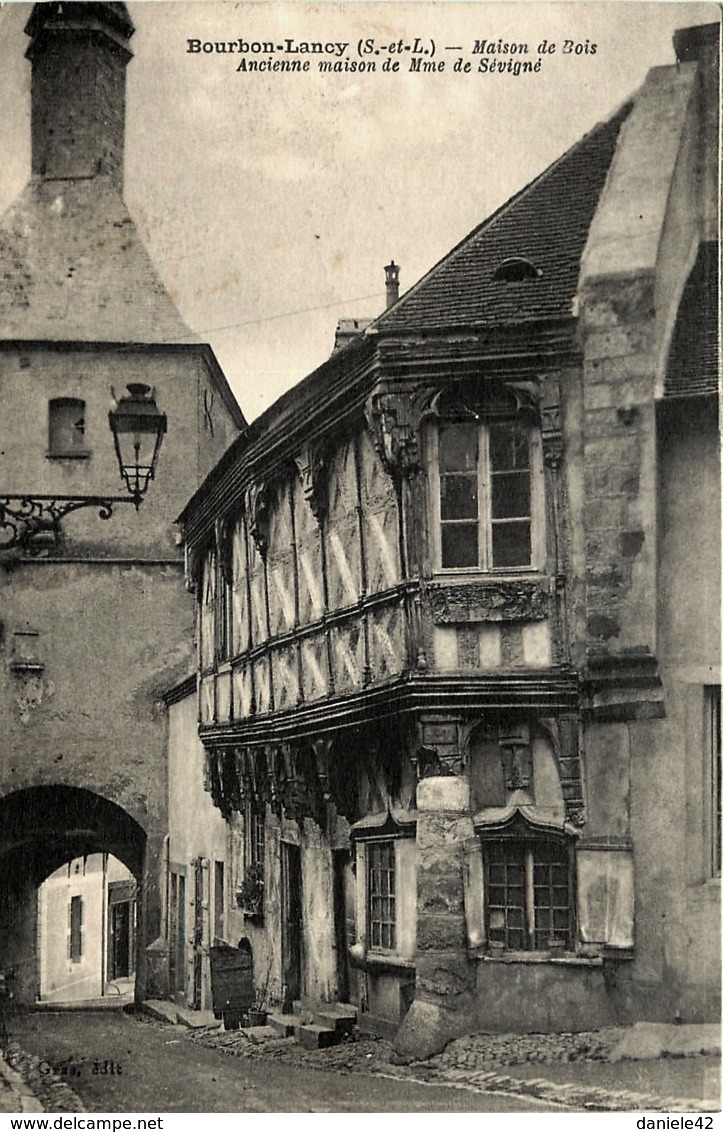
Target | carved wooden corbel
(224,548)
(313,471)
(564,735)
(394,417)
(551,423)
(257,509)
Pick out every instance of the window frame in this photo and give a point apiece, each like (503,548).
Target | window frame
(526,847)
(484,520)
(388,846)
(59,427)
(75,928)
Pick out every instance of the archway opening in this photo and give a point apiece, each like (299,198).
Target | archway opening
(44,831)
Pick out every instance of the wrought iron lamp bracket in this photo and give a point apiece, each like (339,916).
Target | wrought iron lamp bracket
(24,516)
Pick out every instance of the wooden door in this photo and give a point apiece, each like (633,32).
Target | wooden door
(291,921)
(340,860)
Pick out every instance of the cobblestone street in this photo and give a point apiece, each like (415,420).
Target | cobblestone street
(153,1065)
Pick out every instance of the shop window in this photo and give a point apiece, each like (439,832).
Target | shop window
(528,895)
(66,428)
(489,486)
(381,885)
(75,946)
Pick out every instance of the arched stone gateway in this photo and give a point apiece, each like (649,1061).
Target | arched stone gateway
(41,828)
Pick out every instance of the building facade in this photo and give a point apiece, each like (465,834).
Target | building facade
(95,620)
(457,605)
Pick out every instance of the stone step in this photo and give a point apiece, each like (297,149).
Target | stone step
(339,1016)
(341,1023)
(311,1036)
(283,1024)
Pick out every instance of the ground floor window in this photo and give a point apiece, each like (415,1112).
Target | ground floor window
(381,885)
(528,895)
(75,946)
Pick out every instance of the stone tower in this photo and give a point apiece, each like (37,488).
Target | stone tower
(95,623)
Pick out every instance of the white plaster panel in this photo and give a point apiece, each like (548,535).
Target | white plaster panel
(490,648)
(223,697)
(605,896)
(443,793)
(445,647)
(474,892)
(207,699)
(406,896)
(536,644)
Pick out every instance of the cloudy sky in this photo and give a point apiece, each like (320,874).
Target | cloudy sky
(271,202)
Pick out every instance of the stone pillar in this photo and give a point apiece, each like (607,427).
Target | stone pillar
(444,1003)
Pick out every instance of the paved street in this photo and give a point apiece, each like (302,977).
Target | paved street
(147,1067)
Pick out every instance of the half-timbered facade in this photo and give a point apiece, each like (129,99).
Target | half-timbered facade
(431,627)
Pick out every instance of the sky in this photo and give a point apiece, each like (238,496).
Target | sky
(270,202)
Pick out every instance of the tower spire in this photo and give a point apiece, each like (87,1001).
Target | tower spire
(79,52)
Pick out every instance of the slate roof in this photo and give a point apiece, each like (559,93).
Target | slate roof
(694,359)
(546,223)
(73,268)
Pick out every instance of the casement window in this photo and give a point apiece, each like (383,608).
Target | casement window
(713,742)
(528,895)
(255,835)
(75,940)
(381,889)
(488,496)
(386,892)
(66,428)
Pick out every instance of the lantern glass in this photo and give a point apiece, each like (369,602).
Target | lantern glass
(138,428)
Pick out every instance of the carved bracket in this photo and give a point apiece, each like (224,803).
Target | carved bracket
(551,422)
(564,734)
(313,471)
(394,417)
(257,509)
(488,601)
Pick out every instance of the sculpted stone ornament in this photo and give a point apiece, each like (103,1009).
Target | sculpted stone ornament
(488,601)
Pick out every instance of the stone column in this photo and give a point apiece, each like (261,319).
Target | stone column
(444,1003)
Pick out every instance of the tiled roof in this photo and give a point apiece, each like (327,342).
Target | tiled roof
(73,268)
(546,223)
(694,360)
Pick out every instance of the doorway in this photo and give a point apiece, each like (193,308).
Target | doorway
(121,929)
(291,921)
(341,864)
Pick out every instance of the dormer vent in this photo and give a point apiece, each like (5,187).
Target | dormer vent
(516,269)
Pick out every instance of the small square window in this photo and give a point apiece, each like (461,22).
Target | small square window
(66,428)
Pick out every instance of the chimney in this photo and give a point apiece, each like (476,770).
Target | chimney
(391,272)
(79,53)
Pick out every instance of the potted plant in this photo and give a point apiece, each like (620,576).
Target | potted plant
(250,893)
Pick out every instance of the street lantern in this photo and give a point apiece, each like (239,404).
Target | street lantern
(138,428)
